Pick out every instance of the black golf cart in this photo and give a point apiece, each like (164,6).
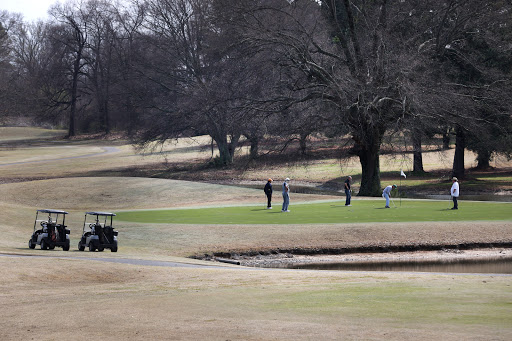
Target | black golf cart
(97,234)
(51,232)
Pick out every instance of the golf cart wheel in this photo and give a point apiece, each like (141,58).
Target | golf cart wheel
(44,246)
(31,244)
(66,247)
(81,247)
(100,248)
(114,248)
(92,248)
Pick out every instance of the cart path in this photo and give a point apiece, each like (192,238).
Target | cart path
(130,261)
(106,150)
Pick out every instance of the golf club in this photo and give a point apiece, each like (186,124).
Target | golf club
(392,201)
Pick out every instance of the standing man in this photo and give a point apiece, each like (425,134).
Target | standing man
(268,192)
(347,191)
(286,195)
(386,193)
(455,193)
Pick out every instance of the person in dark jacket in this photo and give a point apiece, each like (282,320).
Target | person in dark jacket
(268,192)
(347,190)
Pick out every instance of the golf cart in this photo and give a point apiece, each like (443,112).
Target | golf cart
(52,233)
(97,234)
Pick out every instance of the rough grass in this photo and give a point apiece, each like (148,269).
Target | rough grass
(141,302)
(155,303)
(10,134)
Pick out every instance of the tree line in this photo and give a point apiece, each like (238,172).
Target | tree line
(269,71)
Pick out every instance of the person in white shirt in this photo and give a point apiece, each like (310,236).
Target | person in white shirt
(286,195)
(454,192)
(387,192)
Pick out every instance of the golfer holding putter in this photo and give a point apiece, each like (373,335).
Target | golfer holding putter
(286,195)
(347,191)
(455,193)
(387,192)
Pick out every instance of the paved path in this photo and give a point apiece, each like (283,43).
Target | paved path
(142,262)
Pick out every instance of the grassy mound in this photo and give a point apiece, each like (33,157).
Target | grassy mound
(364,211)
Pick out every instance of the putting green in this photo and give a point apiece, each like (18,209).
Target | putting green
(362,211)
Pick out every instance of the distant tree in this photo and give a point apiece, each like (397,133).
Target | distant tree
(99,55)
(70,37)
(465,79)
(201,79)
(5,66)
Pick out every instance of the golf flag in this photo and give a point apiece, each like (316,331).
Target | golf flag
(403,174)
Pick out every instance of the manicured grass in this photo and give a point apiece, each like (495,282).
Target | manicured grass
(362,211)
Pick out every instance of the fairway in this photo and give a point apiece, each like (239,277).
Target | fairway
(362,211)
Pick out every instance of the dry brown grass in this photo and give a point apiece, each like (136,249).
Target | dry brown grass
(51,299)
(65,295)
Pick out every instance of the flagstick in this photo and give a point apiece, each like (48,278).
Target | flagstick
(400,189)
(401,174)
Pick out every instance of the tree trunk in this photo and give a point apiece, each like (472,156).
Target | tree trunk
(233,143)
(226,149)
(458,159)
(367,147)
(417,153)
(80,41)
(303,143)
(223,147)
(370,179)
(484,159)
(446,140)
(74,94)
(367,138)
(255,146)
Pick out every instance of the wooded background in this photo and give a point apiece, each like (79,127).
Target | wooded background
(270,71)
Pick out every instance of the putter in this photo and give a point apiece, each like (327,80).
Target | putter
(392,201)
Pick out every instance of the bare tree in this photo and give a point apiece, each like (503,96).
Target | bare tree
(382,61)
(5,66)
(196,74)
(71,37)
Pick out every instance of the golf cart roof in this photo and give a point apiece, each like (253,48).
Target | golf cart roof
(108,214)
(53,211)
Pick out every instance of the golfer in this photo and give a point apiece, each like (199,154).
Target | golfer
(387,192)
(347,191)
(286,195)
(455,193)
(268,192)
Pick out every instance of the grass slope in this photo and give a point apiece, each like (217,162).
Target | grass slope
(364,211)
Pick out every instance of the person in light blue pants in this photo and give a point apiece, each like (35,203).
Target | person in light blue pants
(286,195)
(387,192)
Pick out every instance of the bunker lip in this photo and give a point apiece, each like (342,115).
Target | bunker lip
(270,258)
